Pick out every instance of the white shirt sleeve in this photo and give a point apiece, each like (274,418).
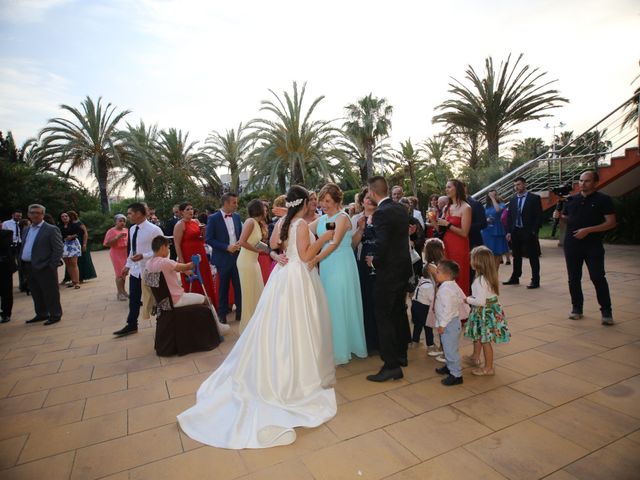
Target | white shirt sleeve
(448,302)
(479,292)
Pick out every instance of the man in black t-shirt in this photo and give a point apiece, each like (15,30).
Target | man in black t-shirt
(588,215)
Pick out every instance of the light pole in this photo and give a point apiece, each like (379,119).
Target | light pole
(553,141)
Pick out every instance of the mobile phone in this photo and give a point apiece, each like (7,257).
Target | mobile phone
(331,225)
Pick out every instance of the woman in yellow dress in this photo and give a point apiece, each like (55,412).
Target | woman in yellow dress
(251,283)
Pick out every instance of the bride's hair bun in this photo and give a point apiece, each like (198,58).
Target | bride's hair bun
(296,200)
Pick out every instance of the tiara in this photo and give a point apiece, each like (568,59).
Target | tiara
(294,203)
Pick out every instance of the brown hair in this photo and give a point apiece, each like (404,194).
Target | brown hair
(433,250)
(280,201)
(296,192)
(484,263)
(333,191)
(450,267)
(158,242)
(378,185)
(461,195)
(73,216)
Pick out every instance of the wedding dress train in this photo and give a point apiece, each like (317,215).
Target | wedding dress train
(279,373)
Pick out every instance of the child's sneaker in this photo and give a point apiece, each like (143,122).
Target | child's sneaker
(441,359)
(433,351)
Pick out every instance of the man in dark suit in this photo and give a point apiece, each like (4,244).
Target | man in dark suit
(40,255)
(524,222)
(223,233)
(168,227)
(8,266)
(393,270)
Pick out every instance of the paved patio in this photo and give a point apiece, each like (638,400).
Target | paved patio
(564,404)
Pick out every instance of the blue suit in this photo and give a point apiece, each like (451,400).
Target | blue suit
(217,237)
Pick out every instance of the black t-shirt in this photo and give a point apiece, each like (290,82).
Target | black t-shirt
(587,211)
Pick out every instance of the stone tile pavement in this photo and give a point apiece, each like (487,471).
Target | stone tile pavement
(76,403)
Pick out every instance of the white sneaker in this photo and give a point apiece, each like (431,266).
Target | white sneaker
(441,359)
(433,351)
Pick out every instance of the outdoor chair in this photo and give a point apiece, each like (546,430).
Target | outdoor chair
(182,330)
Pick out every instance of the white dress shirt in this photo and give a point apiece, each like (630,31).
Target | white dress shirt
(417,214)
(480,291)
(228,221)
(449,303)
(147,231)
(14,226)
(32,234)
(425,291)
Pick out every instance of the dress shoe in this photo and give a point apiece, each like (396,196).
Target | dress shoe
(127,330)
(533,285)
(404,362)
(51,321)
(36,319)
(444,370)
(5,319)
(512,281)
(451,380)
(386,374)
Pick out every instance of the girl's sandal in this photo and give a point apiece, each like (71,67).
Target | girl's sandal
(468,359)
(481,372)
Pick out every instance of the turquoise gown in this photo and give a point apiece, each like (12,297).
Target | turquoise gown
(339,275)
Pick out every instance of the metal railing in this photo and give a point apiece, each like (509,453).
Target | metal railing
(593,148)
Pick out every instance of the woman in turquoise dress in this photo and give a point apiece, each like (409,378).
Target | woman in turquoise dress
(339,275)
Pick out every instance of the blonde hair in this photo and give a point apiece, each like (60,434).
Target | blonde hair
(333,191)
(280,201)
(483,262)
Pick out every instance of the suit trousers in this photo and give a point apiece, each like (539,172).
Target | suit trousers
(229,273)
(577,253)
(45,291)
(525,244)
(6,289)
(393,325)
(135,300)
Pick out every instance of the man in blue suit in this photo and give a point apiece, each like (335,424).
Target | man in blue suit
(223,233)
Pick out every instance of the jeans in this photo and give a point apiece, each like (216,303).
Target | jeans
(135,300)
(577,253)
(226,274)
(449,340)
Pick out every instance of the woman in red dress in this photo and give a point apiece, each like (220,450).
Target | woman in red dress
(264,258)
(188,241)
(457,222)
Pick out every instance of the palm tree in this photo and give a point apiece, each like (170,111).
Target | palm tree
(493,105)
(90,137)
(410,160)
(527,149)
(185,165)
(354,150)
(140,162)
(231,150)
(369,120)
(438,150)
(291,144)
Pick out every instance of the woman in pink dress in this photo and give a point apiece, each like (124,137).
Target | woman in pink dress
(116,239)
(457,222)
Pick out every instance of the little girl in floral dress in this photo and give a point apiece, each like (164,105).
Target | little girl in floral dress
(487,322)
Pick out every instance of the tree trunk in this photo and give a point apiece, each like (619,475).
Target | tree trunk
(414,182)
(235,181)
(282,181)
(296,175)
(102,174)
(363,174)
(368,152)
(493,147)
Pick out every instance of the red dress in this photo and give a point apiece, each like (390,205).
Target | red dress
(456,248)
(193,244)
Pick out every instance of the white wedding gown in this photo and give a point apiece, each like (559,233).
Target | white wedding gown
(279,373)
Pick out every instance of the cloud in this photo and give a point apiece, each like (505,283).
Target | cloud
(28,11)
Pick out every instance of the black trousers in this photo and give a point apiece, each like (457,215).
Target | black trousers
(576,253)
(393,324)
(525,244)
(45,291)
(419,312)
(135,300)
(6,289)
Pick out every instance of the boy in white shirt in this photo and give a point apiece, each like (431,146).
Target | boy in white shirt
(449,307)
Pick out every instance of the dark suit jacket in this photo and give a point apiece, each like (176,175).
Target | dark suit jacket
(218,237)
(47,249)
(169,225)
(391,258)
(478,222)
(531,214)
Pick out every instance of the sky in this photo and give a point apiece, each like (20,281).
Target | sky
(201,66)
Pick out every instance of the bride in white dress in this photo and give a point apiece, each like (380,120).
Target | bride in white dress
(279,373)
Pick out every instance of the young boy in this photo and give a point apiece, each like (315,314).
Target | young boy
(160,262)
(449,307)
(421,300)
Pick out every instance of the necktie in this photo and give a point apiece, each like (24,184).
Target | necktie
(519,219)
(134,241)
